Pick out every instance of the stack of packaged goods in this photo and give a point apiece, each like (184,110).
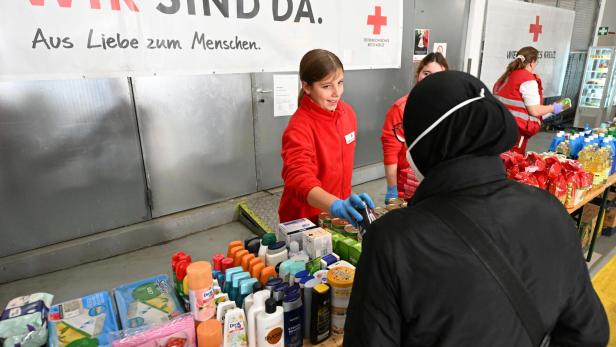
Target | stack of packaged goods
(594,148)
(23,322)
(564,178)
(277,290)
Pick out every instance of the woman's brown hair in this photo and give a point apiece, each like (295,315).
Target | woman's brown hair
(530,55)
(316,65)
(434,57)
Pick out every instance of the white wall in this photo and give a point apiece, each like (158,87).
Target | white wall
(607,18)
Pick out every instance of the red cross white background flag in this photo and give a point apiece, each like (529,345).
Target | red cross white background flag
(47,39)
(511,25)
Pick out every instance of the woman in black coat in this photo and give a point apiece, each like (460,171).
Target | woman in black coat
(418,284)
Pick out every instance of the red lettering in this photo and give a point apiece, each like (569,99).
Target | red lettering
(115,5)
(94,4)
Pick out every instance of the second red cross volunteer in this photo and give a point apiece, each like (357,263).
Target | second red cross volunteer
(318,146)
(521,90)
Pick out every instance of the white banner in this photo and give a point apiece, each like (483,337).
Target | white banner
(42,39)
(511,25)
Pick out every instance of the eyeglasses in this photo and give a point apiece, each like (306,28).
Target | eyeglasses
(399,132)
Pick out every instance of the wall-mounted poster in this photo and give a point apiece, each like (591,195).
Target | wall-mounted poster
(422,42)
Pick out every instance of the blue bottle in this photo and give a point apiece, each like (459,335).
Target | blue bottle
(293,317)
(560,137)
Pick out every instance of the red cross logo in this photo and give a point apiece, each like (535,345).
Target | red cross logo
(535,29)
(377,20)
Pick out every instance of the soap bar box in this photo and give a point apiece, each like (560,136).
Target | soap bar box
(294,230)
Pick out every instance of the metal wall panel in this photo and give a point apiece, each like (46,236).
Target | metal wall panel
(70,163)
(197,139)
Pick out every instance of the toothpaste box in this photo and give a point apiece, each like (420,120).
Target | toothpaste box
(84,321)
(293,230)
(146,302)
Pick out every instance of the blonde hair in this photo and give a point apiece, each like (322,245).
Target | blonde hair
(525,56)
(316,65)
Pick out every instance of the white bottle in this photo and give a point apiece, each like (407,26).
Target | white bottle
(270,325)
(266,240)
(276,254)
(235,329)
(258,306)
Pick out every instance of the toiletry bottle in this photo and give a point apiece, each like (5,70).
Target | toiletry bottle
(209,334)
(270,325)
(200,291)
(235,329)
(266,240)
(293,316)
(257,307)
(320,314)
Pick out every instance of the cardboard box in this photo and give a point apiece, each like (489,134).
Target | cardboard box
(294,230)
(587,224)
(317,242)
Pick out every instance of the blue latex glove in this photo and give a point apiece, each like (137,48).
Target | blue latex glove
(348,209)
(392,193)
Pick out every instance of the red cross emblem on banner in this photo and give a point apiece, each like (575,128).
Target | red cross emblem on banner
(377,20)
(535,29)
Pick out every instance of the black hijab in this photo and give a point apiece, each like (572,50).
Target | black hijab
(483,127)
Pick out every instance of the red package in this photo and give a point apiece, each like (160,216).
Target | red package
(527,178)
(558,188)
(542,179)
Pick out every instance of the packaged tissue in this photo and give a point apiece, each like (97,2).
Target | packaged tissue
(178,332)
(24,321)
(146,302)
(83,322)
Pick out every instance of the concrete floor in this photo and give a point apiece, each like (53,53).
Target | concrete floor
(112,272)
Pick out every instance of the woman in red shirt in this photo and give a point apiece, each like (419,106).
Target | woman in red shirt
(318,146)
(401,181)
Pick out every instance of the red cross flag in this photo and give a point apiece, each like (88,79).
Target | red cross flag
(511,25)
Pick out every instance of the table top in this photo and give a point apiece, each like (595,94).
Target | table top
(593,193)
(332,341)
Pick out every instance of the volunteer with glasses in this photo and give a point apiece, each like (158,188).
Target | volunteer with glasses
(421,282)
(318,146)
(401,182)
(521,91)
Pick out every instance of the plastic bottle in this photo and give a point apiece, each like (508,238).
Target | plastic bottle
(267,273)
(217,260)
(278,292)
(257,307)
(235,328)
(235,286)
(320,314)
(270,325)
(200,291)
(560,137)
(209,334)
(266,240)
(246,260)
(237,260)
(245,289)
(272,283)
(233,244)
(249,300)
(276,254)
(308,286)
(228,277)
(293,248)
(293,316)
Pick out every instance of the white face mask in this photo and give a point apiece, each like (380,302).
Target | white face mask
(409,158)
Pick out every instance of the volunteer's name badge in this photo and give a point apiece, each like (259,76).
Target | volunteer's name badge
(350,137)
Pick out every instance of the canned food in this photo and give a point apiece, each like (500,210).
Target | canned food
(325,220)
(350,231)
(338,225)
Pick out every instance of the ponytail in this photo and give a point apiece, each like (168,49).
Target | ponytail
(525,56)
